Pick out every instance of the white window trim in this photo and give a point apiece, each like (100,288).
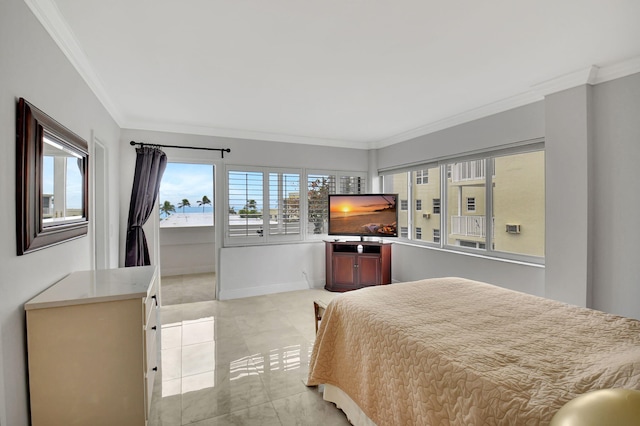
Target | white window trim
(267,239)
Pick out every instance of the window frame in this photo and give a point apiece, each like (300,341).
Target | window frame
(303,236)
(444,164)
(422,176)
(471,204)
(437,206)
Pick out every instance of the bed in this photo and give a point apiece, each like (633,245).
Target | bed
(454,351)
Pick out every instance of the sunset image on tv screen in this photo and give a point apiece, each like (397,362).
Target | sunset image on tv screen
(363,215)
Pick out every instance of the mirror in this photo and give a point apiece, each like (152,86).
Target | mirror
(51,181)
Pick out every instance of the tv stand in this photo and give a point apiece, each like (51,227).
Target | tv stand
(347,269)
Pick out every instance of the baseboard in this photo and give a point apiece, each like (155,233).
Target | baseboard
(204,269)
(317,283)
(226,294)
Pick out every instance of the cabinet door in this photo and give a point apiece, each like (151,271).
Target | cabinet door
(344,269)
(368,270)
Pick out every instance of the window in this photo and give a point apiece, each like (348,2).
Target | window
(284,203)
(467,181)
(471,244)
(319,186)
(494,202)
(471,204)
(404,205)
(246,201)
(436,206)
(186,195)
(422,177)
(269,205)
(518,198)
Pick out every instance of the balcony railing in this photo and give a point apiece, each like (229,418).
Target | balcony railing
(469,170)
(469,226)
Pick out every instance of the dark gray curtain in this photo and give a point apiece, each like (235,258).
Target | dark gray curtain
(150,165)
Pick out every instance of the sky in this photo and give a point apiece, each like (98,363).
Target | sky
(73,187)
(190,181)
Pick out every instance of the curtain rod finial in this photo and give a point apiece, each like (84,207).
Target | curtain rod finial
(132,143)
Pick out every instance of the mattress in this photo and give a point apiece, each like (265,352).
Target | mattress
(456,351)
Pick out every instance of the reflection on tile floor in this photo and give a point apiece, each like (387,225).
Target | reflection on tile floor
(240,362)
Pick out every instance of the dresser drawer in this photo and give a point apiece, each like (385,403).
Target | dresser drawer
(150,338)
(151,367)
(151,302)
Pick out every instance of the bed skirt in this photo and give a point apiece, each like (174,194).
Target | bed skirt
(355,415)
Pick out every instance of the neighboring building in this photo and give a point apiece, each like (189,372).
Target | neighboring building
(518,204)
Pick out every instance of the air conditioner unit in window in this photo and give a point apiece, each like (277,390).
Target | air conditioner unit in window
(513,229)
(426,215)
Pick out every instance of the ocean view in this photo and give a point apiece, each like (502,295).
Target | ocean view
(192,209)
(192,216)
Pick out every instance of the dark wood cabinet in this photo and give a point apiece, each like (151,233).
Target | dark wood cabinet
(349,269)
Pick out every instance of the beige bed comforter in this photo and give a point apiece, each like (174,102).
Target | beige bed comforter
(454,351)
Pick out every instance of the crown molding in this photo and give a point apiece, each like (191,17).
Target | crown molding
(591,75)
(465,117)
(567,81)
(202,130)
(51,19)
(618,70)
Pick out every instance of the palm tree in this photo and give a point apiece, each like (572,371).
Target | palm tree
(205,200)
(183,204)
(167,208)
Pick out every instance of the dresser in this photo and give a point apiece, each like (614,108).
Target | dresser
(92,348)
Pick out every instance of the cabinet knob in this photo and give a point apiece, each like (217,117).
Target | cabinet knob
(154,328)
(155,368)
(155,298)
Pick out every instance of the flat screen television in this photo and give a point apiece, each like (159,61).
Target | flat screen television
(363,215)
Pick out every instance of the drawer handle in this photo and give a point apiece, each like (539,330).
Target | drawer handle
(154,297)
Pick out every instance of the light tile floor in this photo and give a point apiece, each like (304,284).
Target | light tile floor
(178,289)
(240,362)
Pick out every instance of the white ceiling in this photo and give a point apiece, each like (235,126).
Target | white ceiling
(336,72)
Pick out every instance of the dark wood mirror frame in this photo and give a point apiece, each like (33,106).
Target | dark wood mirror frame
(31,232)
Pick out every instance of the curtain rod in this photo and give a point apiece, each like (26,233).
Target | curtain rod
(222,150)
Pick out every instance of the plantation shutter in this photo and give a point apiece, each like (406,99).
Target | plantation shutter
(284,204)
(246,204)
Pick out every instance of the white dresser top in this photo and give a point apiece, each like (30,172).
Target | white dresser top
(107,285)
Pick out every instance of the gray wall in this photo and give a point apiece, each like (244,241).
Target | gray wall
(593,152)
(568,140)
(33,67)
(616,193)
(518,124)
